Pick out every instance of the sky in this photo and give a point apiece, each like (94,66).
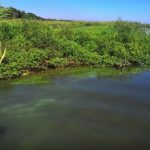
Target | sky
(88,10)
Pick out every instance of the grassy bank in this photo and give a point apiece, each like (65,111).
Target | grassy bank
(28,45)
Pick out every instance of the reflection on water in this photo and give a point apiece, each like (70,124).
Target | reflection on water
(76,109)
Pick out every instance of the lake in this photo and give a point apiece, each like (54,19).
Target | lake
(76,109)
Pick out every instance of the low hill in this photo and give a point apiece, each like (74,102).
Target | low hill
(13,13)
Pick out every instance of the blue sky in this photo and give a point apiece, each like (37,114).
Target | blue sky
(92,10)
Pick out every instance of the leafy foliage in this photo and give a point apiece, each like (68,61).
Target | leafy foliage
(40,45)
(12,13)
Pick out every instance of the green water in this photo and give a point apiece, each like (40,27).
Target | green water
(76,109)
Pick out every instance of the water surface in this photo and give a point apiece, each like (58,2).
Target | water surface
(76,109)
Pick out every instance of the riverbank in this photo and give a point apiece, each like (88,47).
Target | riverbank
(36,46)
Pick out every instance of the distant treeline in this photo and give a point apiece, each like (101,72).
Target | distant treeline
(146,25)
(12,13)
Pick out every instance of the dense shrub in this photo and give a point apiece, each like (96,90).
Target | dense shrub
(36,45)
(57,62)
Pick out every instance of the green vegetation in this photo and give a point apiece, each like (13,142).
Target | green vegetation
(12,13)
(31,45)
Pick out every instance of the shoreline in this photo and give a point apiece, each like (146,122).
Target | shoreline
(65,69)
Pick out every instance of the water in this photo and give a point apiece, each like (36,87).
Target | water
(148,31)
(76,109)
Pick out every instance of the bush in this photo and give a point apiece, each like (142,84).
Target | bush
(57,62)
(40,45)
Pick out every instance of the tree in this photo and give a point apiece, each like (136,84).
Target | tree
(11,13)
